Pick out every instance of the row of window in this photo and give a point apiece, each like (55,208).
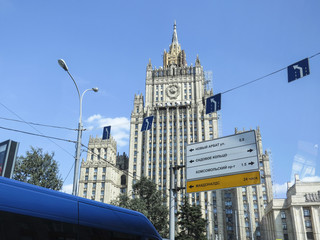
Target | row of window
(93,195)
(95,170)
(86,178)
(94,185)
(161,86)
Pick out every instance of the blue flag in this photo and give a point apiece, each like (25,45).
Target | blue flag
(106,132)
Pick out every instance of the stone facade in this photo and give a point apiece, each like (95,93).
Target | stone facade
(297,216)
(100,179)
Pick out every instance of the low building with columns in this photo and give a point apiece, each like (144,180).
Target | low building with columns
(297,216)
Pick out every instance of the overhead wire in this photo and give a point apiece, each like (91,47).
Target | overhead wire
(260,78)
(40,133)
(38,124)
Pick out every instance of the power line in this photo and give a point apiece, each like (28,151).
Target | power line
(260,78)
(36,129)
(38,124)
(38,135)
(68,174)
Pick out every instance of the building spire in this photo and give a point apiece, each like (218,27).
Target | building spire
(175,56)
(175,35)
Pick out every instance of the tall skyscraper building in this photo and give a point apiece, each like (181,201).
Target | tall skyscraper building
(175,95)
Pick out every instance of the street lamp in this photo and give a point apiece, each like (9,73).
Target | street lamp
(80,129)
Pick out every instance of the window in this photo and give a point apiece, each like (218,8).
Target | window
(104,170)
(284,225)
(228,211)
(308,224)
(283,214)
(87,170)
(306,212)
(309,235)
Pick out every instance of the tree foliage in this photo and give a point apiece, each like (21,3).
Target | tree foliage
(149,201)
(39,169)
(192,225)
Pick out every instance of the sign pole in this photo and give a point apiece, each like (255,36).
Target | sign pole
(172,217)
(236,221)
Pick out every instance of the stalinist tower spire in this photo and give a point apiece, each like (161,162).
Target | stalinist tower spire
(174,35)
(175,56)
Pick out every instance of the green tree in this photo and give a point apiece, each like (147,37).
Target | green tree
(38,168)
(192,225)
(149,201)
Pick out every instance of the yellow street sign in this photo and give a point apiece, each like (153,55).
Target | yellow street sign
(237,180)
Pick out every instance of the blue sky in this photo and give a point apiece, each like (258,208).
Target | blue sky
(107,44)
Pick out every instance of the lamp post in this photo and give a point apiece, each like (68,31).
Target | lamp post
(80,129)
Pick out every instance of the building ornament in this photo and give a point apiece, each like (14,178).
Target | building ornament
(172,91)
(313,197)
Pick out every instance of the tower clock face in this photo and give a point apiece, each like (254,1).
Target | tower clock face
(172,91)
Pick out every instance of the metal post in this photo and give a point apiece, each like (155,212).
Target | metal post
(236,221)
(77,160)
(250,223)
(172,208)
(63,64)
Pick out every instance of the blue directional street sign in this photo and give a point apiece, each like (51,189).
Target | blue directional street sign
(298,70)
(213,104)
(106,132)
(147,122)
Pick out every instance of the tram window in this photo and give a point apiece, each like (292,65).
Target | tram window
(15,226)
(89,233)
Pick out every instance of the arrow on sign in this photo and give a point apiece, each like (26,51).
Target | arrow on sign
(251,163)
(191,186)
(250,150)
(191,161)
(191,150)
(296,67)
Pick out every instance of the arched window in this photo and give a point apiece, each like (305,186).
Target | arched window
(123,180)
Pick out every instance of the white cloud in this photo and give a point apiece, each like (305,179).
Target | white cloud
(93,118)
(279,190)
(67,188)
(311,179)
(120,127)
